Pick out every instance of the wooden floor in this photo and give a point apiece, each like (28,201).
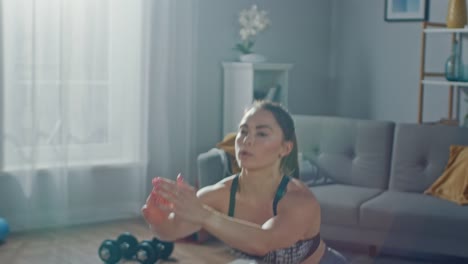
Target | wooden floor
(78,245)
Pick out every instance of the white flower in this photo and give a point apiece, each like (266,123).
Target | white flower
(252,22)
(244,34)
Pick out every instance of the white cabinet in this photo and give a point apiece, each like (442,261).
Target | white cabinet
(246,82)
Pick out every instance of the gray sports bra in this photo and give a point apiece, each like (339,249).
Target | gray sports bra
(297,253)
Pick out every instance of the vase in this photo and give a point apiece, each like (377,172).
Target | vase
(454,64)
(252,58)
(456,15)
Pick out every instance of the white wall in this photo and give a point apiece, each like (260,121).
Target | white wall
(377,63)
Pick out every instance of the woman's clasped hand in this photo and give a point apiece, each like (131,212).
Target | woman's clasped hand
(180,198)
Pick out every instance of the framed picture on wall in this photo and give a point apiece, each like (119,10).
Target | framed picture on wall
(406,10)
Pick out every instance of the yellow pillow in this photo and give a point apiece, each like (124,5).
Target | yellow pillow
(228,145)
(452,185)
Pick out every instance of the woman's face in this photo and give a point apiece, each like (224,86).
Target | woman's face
(260,141)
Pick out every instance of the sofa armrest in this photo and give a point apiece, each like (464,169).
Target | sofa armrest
(213,166)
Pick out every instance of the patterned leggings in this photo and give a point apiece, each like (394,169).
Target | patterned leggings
(332,256)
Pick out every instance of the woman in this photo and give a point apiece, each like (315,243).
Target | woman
(261,212)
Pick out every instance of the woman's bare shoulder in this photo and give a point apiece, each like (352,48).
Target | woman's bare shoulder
(212,195)
(299,203)
(217,187)
(299,194)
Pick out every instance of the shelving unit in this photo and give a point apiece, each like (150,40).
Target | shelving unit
(434,82)
(245,82)
(437,78)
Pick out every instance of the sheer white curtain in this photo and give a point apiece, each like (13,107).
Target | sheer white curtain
(172,100)
(75,110)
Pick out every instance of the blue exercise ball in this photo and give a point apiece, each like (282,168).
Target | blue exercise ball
(4,229)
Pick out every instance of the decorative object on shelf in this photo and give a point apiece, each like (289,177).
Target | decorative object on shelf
(406,10)
(456,15)
(252,22)
(465,118)
(272,93)
(454,64)
(252,57)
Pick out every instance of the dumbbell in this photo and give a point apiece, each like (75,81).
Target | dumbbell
(111,251)
(150,251)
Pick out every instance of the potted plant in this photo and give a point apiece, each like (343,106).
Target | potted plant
(252,21)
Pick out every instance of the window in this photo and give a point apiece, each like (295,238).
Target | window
(72,82)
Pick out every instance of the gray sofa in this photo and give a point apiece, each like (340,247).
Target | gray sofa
(369,177)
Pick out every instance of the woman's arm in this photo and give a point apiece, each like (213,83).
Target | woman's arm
(297,211)
(164,222)
(294,218)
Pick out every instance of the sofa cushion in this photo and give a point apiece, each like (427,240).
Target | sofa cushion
(420,154)
(414,213)
(350,151)
(340,203)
